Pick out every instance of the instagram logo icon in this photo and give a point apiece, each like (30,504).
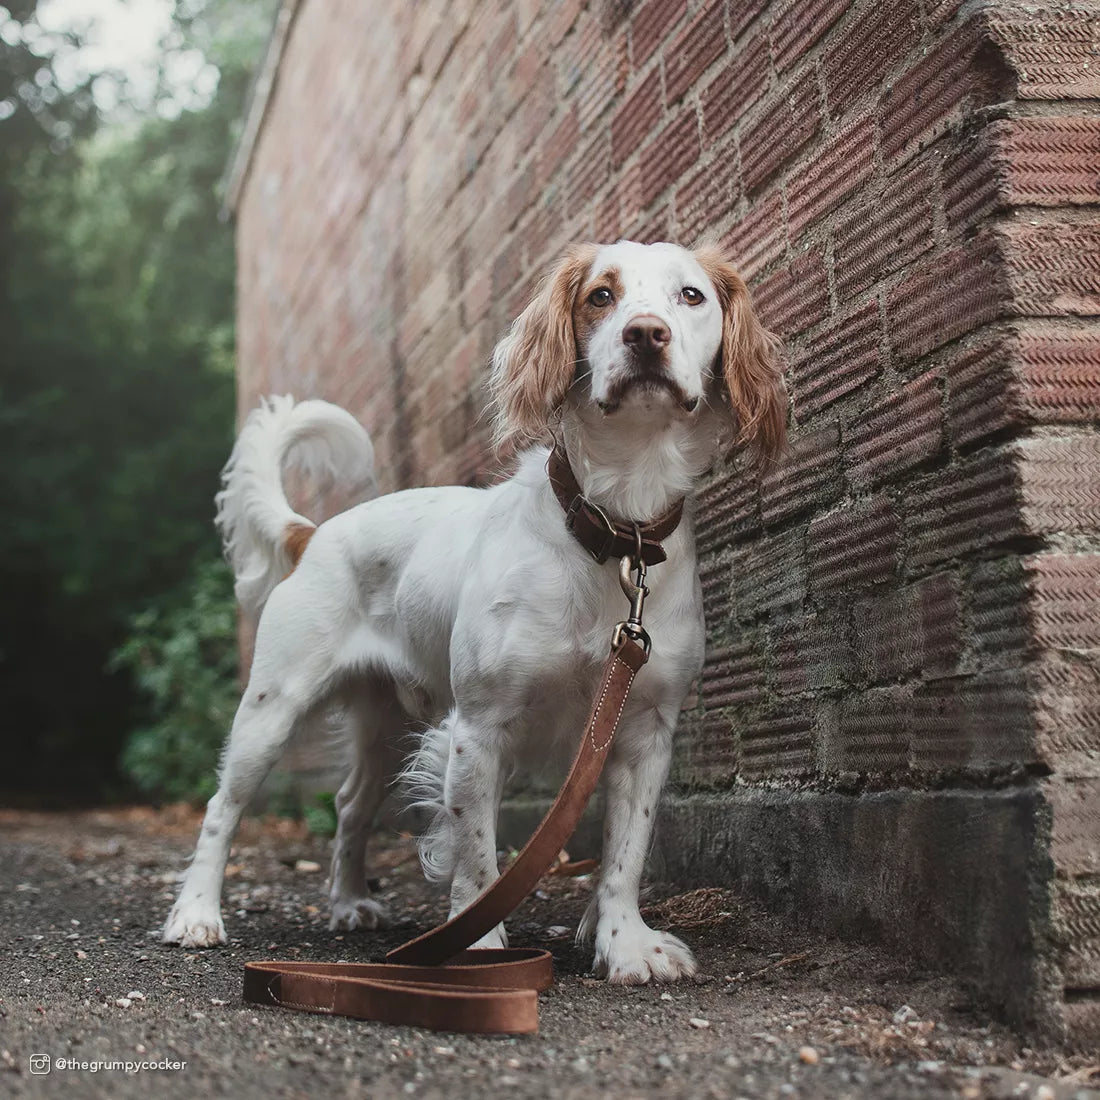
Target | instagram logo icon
(40,1063)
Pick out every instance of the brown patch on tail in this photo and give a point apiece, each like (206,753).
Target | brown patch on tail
(295,540)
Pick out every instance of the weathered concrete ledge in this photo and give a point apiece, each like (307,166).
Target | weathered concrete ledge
(957,879)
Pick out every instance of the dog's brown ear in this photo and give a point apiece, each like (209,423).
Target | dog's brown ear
(751,367)
(534,365)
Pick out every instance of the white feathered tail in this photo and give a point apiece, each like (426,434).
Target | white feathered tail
(263,536)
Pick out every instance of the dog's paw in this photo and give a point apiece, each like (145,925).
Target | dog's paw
(632,955)
(495,937)
(349,914)
(190,927)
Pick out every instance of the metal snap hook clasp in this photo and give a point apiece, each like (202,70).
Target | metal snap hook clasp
(635,590)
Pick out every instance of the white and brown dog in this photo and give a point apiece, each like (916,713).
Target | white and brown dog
(475,612)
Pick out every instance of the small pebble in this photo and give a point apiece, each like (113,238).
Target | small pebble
(123,1002)
(666,996)
(664,1061)
(809,1055)
(135,995)
(306,867)
(1044,1092)
(699,1023)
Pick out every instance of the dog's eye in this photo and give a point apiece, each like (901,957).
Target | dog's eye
(601,297)
(691,296)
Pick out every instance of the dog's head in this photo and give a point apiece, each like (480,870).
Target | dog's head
(631,328)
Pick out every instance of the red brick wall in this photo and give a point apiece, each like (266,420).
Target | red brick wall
(911,188)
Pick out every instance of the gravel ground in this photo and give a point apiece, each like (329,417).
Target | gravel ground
(774,1013)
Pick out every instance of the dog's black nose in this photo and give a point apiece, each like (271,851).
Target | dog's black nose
(646,333)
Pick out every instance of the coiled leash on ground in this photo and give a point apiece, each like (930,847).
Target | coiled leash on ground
(434,981)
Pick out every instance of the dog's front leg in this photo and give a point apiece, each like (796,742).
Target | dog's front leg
(628,951)
(472,793)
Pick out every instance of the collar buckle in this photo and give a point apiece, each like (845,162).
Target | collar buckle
(609,533)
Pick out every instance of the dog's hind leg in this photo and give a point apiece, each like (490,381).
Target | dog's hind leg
(293,673)
(377,720)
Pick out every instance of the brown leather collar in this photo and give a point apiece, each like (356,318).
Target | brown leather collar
(591,526)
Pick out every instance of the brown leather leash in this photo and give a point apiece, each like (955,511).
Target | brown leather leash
(436,981)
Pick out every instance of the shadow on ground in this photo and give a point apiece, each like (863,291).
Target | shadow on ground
(773,1013)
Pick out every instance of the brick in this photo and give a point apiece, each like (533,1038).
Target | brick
(1054,269)
(1052,161)
(792,116)
(872,734)
(563,17)
(913,630)
(757,239)
(543,231)
(900,431)
(655,226)
(1065,603)
(868,45)
(650,25)
(1043,161)
(808,653)
(596,65)
(559,145)
(945,297)
(695,49)
(1074,824)
(1060,484)
(1059,374)
(715,579)
(973,723)
(589,172)
(710,756)
(806,478)
(778,744)
(742,14)
(790,657)
(705,198)
(636,119)
(821,183)
(1066,699)
(733,676)
(837,360)
(668,156)
(854,547)
(730,95)
(728,508)
(879,234)
(971,506)
(1051,50)
(1039,374)
(768,574)
(980,391)
(952,75)
(1077,924)
(998,609)
(799,24)
(794,297)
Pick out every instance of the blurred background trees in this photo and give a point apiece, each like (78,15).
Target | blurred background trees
(116,404)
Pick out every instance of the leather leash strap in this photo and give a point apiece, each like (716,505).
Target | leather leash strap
(433,981)
(600,535)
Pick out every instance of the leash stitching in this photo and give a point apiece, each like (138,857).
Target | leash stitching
(284,1003)
(599,706)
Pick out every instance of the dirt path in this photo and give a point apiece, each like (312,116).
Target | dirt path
(773,1014)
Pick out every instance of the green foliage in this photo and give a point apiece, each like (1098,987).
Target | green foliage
(116,399)
(320,818)
(184,659)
